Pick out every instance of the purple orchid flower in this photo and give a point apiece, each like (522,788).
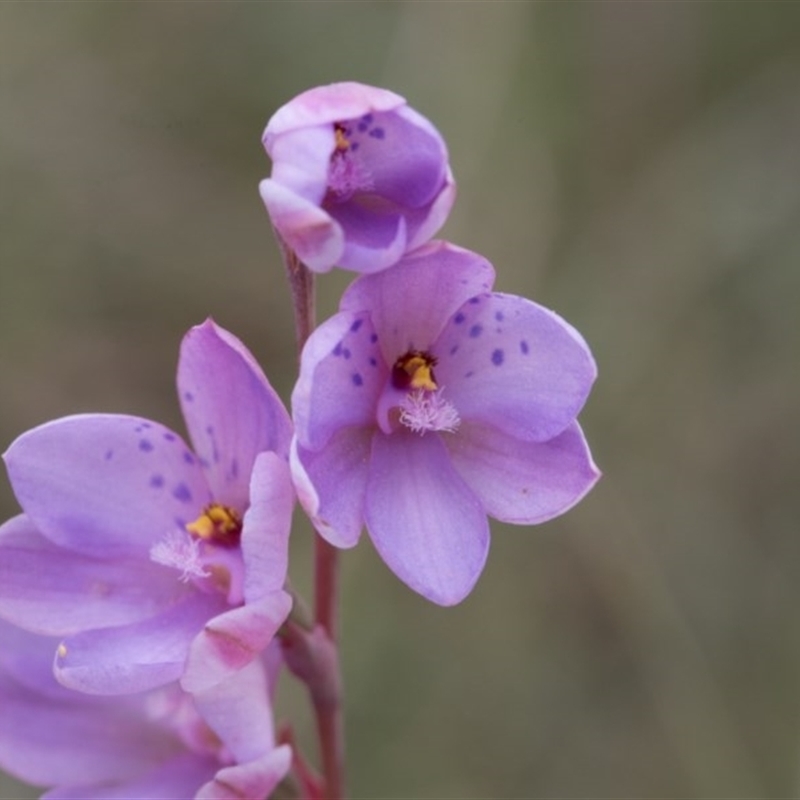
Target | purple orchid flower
(155,562)
(358,177)
(430,401)
(164,744)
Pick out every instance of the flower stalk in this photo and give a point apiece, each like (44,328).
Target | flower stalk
(313,656)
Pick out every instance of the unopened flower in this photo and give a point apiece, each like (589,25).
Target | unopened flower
(430,401)
(358,177)
(164,744)
(142,552)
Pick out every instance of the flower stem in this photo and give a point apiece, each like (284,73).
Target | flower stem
(327,704)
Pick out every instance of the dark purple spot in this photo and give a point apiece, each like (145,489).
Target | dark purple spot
(469,374)
(188,457)
(145,445)
(234,468)
(377,133)
(337,351)
(474,300)
(523,346)
(459,318)
(156,481)
(109,455)
(180,522)
(182,493)
(215,455)
(188,396)
(357,379)
(497,357)
(367,118)
(170,437)
(210,430)
(354,146)
(453,349)
(498,315)
(356,325)
(363,125)
(475,331)
(373,362)
(346,353)
(373,338)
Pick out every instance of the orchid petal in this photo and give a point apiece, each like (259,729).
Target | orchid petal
(508,362)
(231,640)
(300,161)
(266,527)
(424,223)
(176,779)
(426,523)
(239,710)
(521,481)
(341,376)
(331,484)
(106,484)
(50,590)
(374,239)
(254,779)
(133,658)
(46,740)
(231,410)
(334,102)
(309,231)
(410,303)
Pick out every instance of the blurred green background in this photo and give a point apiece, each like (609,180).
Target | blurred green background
(635,166)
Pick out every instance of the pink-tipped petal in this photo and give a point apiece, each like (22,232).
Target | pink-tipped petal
(255,779)
(50,590)
(300,161)
(410,303)
(331,484)
(427,524)
(314,236)
(106,483)
(266,527)
(231,410)
(508,362)
(239,710)
(135,657)
(521,481)
(232,639)
(341,376)
(328,104)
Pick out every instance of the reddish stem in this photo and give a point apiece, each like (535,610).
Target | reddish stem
(327,703)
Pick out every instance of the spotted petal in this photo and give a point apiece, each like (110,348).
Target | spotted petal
(410,303)
(232,412)
(508,362)
(341,376)
(105,483)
